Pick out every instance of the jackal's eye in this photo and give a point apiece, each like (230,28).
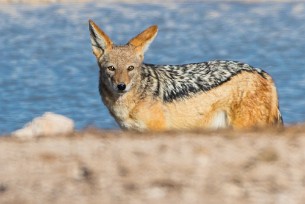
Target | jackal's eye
(111,68)
(130,68)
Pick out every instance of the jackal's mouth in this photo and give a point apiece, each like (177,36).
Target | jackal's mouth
(121,92)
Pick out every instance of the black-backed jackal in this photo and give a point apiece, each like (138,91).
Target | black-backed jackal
(214,94)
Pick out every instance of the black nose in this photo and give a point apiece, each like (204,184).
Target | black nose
(121,86)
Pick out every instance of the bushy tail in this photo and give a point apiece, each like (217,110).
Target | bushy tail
(276,116)
(280,121)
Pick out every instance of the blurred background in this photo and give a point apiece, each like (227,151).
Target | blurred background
(46,62)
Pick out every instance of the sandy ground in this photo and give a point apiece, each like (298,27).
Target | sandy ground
(96,166)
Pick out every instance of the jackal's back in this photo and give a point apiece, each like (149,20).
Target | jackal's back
(176,82)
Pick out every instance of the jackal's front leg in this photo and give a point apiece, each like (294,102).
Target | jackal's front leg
(151,114)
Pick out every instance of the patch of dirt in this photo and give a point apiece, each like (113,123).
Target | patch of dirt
(95,166)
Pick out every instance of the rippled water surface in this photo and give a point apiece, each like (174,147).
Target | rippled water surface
(46,62)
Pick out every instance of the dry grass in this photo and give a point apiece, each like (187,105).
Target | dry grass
(95,166)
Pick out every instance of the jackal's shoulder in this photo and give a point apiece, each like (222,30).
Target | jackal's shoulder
(174,82)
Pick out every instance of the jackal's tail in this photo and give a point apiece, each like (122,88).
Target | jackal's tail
(276,116)
(280,121)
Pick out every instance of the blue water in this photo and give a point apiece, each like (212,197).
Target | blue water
(46,62)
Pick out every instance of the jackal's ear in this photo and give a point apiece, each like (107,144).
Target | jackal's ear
(99,40)
(143,40)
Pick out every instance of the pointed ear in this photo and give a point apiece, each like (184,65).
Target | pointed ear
(142,41)
(99,40)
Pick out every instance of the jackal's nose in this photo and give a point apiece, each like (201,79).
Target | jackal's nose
(121,86)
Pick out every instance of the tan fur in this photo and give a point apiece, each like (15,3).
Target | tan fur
(246,107)
(141,40)
(245,101)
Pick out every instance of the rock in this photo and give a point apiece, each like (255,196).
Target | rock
(47,124)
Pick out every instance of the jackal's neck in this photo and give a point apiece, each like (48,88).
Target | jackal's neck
(150,83)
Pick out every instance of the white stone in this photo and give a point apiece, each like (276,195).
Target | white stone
(47,124)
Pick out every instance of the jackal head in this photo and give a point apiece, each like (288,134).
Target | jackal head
(120,66)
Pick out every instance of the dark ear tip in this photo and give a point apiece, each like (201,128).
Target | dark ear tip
(91,26)
(90,22)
